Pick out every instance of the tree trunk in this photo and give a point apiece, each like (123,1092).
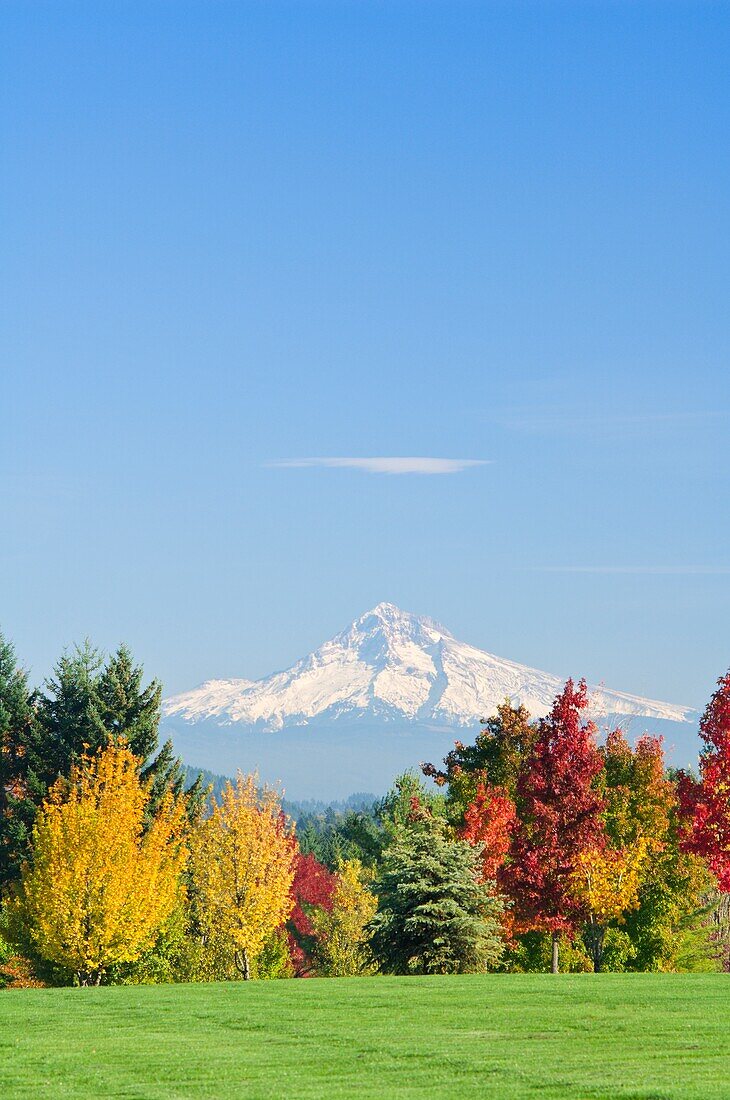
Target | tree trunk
(242,964)
(556,944)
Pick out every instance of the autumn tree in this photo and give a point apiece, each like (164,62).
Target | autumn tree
(495,759)
(559,811)
(706,803)
(341,928)
(489,821)
(243,858)
(312,891)
(435,915)
(606,883)
(99,885)
(642,805)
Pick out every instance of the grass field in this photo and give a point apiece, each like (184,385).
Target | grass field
(644,1035)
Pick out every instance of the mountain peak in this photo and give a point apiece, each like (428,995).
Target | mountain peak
(392,665)
(390,615)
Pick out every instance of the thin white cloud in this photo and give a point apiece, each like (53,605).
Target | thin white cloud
(639,570)
(388,465)
(549,420)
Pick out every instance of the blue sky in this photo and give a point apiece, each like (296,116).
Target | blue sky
(240,237)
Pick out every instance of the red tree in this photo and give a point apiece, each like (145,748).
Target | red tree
(560,817)
(313,887)
(706,804)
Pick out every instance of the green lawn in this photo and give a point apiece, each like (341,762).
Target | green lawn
(642,1035)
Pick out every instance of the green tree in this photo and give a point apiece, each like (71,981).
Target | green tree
(20,789)
(434,914)
(89,704)
(70,714)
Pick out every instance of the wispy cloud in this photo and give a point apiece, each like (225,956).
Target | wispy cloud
(387,465)
(639,570)
(549,420)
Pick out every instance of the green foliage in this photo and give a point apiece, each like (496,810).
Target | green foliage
(172,958)
(274,961)
(434,915)
(19,785)
(532,953)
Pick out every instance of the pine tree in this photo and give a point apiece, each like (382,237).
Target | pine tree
(127,708)
(434,916)
(19,786)
(70,714)
(89,704)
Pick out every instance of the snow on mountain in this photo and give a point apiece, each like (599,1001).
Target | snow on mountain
(391,665)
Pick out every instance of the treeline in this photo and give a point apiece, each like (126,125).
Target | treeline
(304,809)
(532,848)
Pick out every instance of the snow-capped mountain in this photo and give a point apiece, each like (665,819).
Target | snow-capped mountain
(393,665)
(389,691)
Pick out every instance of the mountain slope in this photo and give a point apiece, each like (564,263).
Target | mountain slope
(393,666)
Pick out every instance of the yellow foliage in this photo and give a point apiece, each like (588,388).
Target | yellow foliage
(99,886)
(607,880)
(242,867)
(342,940)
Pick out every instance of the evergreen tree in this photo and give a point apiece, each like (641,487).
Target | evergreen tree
(19,786)
(88,705)
(131,711)
(434,914)
(70,714)
(127,708)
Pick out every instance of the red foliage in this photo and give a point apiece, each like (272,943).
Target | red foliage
(489,821)
(560,816)
(706,804)
(313,886)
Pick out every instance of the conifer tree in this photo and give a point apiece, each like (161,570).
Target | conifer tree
(70,714)
(89,704)
(20,788)
(435,915)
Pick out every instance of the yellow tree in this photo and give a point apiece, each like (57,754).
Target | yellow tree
(341,937)
(242,871)
(99,884)
(606,881)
